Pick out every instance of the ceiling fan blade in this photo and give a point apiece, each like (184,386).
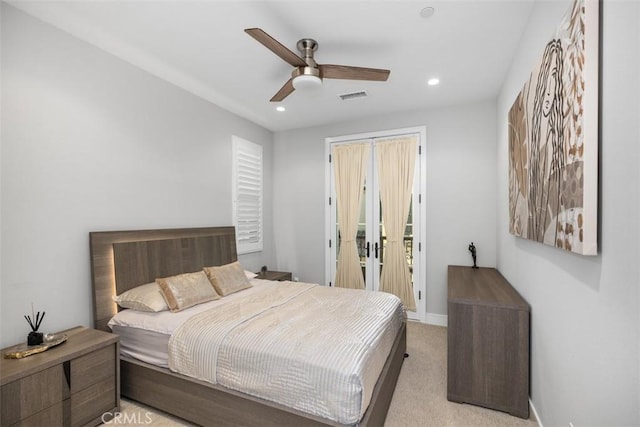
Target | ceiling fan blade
(328,71)
(276,47)
(284,91)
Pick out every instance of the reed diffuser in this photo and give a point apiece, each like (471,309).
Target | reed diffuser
(35,337)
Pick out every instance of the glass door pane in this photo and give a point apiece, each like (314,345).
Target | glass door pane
(408,239)
(382,238)
(361,235)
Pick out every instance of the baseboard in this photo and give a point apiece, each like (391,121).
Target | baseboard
(535,413)
(437,319)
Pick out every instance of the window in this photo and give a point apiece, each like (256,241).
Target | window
(247,195)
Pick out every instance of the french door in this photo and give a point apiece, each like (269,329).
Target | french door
(371,236)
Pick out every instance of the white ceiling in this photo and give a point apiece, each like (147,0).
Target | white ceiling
(201,47)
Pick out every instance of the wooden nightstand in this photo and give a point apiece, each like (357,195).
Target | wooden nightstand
(275,275)
(72,384)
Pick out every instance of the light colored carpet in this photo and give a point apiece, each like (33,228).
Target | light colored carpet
(420,398)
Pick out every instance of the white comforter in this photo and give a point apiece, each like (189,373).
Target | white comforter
(316,349)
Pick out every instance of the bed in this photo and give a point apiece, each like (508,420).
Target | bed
(122,260)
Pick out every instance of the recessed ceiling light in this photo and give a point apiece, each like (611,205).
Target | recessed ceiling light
(280,108)
(433,81)
(427,12)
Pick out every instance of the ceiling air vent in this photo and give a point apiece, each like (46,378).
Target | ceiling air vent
(352,95)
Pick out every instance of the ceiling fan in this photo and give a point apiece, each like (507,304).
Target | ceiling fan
(307,72)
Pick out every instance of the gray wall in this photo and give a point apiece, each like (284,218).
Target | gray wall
(461,191)
(585,310)
(92,143)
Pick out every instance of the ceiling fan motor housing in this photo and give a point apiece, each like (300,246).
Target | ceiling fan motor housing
(308,76)
(307,47)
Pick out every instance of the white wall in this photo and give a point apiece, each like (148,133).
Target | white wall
(461,191)
(92,143)
(585,310)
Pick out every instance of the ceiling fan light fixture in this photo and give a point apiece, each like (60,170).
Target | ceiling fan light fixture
(306,81)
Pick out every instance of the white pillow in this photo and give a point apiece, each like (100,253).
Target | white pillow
(143,298)
(250,274)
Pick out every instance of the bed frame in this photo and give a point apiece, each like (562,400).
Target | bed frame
(121,260)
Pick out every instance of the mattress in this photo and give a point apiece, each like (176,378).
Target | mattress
(147,346)
(312,348)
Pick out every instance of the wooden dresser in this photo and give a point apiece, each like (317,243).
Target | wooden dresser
(72,384)
(488,341)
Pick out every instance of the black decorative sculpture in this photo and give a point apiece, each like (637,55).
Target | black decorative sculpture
(472,249)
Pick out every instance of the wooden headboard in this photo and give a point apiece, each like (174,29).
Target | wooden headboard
(121,260)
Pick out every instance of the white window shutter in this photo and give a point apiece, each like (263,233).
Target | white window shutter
(247,195)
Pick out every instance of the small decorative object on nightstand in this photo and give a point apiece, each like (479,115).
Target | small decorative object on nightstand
(76,383)
(35,337)
(279,276)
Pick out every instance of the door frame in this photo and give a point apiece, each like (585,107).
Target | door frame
(420,183)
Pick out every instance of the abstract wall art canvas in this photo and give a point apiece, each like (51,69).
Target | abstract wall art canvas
(553,139)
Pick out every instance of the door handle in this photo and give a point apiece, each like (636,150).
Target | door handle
(376,249)
(368,248)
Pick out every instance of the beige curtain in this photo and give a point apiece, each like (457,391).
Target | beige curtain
(350,163)
(396,161)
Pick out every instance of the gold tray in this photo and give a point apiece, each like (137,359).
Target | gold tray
(24,350)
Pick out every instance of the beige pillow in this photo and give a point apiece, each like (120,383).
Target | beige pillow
(143,298)
(186,290)
(228,278)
